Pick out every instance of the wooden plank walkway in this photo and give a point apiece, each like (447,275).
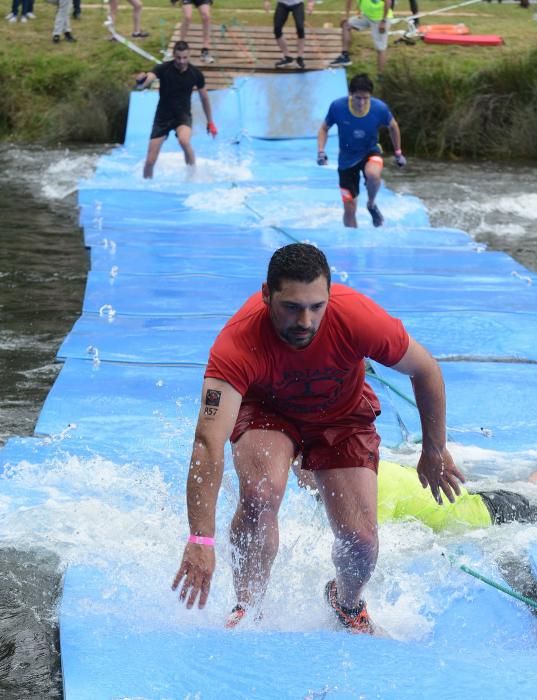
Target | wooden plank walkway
(247,50)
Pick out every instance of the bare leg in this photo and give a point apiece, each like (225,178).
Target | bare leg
(112,7)
(300,47)
(187,19)
(262,459)
(283,46)
(346,36)
(350,499)
(136,14)
(381,61)
(372,172)
(205,14)
(152,155)
(349,213)
(184,134)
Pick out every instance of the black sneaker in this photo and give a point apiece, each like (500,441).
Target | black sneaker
(356,620)
(342,60)
(377,217)
(300,62)
(284,62)
(56,38)
(68,36)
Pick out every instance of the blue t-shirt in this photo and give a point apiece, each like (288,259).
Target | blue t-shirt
(358,136)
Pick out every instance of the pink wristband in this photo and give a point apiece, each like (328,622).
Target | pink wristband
(196,539)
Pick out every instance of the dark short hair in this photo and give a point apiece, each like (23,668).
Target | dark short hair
(300,262)
(361,83)
(180,46)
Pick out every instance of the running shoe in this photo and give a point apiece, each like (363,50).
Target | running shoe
(342,60)
(300,63)
(12,17)
(284,62)
(235,617)
(356,620)
(206,56)
(377,217)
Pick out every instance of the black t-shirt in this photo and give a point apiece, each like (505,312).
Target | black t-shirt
(176,88)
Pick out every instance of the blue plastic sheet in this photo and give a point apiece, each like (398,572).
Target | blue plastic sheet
(170,263)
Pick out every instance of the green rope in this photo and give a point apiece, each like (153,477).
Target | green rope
(494,584)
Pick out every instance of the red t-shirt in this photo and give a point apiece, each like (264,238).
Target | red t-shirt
(322,383)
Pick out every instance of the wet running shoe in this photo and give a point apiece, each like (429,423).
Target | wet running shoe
(356,620)
(377,217)
(342,60)
(236,616)
(284,62)
(300,63)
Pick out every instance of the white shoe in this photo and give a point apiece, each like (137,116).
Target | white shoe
(11,17)
(24,18)
(206,57)
(30,15)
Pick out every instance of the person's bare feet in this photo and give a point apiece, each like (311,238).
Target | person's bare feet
(148,171)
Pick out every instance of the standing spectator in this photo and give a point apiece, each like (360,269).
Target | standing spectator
(76,9)
(374,15)
(283,8)
(62,24)
(137,31)
(13,16)
(204,8)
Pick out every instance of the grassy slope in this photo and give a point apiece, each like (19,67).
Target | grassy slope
(79,92)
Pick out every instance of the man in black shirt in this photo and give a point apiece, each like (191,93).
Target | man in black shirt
(178,78)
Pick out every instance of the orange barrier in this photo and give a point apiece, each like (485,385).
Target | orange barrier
(444,29)
(464,40)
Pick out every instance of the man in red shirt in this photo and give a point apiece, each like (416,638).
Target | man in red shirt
(285,380)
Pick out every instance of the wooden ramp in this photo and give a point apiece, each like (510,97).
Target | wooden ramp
(245,50)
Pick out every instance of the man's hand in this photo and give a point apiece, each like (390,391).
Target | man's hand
(309,7)
(211,129)
(400,159)
(140,80)
(196,572)
(266,5)
(437,470)
(322,158)
(382,26)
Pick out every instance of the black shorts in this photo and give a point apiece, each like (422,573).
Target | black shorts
(162,127)
(349,179)
(197,3)
(282,13)
(508,507)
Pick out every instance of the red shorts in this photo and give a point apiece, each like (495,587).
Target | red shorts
(322,447)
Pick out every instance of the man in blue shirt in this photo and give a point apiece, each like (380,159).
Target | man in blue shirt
(358,118)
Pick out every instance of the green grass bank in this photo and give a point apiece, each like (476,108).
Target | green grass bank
(451,102)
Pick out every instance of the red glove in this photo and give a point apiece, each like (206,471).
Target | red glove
(211,129)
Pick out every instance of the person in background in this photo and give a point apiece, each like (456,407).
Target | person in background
(281,13)
(375,15)
(204,8)
(62,24)
(178,78)
(26,13)
(137,31)
(358,118)
(285,380)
